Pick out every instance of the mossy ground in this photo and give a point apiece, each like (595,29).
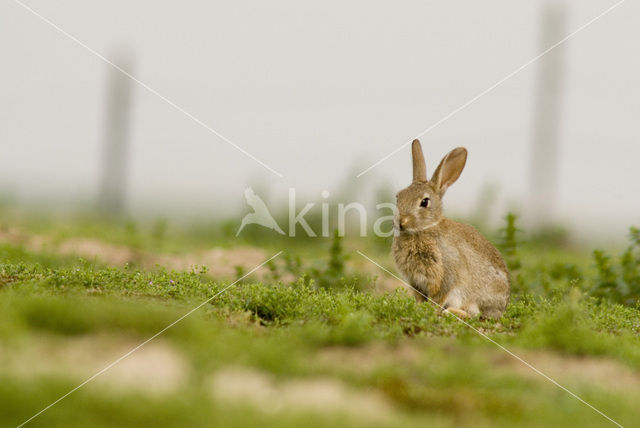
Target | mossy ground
(295,344)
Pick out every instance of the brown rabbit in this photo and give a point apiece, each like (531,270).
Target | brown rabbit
(450,262)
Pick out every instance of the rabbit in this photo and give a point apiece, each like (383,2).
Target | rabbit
(447,262)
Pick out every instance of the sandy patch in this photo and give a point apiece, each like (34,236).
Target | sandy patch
(154,368)
(220,262)
(321,395)
(603,372)
(91,249)
(367,358)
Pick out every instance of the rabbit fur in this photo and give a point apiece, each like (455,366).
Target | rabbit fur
(447,262)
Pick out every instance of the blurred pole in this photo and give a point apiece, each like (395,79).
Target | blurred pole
(547,116)
(116,138)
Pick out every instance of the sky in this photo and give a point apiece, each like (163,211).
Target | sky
(320,91)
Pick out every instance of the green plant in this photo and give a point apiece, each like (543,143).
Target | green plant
(336,256)
(508,244)
(619,282)
(329,274)
(333,274)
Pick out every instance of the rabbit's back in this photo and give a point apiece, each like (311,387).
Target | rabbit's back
(474,269)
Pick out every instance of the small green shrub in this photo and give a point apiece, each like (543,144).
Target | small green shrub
(325,274)
(619,282)
(333,274)
(509,242)
(508,245)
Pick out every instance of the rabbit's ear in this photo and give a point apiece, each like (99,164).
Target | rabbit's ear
(449,169)
(419,167)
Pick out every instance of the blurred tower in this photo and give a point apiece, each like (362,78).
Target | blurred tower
(116,137)
(547,116)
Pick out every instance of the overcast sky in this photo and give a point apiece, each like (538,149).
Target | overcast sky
(319,91)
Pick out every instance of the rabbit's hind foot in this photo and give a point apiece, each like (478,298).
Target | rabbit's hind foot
(456,312)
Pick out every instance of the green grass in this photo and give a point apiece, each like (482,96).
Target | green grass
(324,325)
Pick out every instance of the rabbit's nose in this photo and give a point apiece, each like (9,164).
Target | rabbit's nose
(403,222)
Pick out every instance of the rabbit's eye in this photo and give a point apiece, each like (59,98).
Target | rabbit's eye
(424,203)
